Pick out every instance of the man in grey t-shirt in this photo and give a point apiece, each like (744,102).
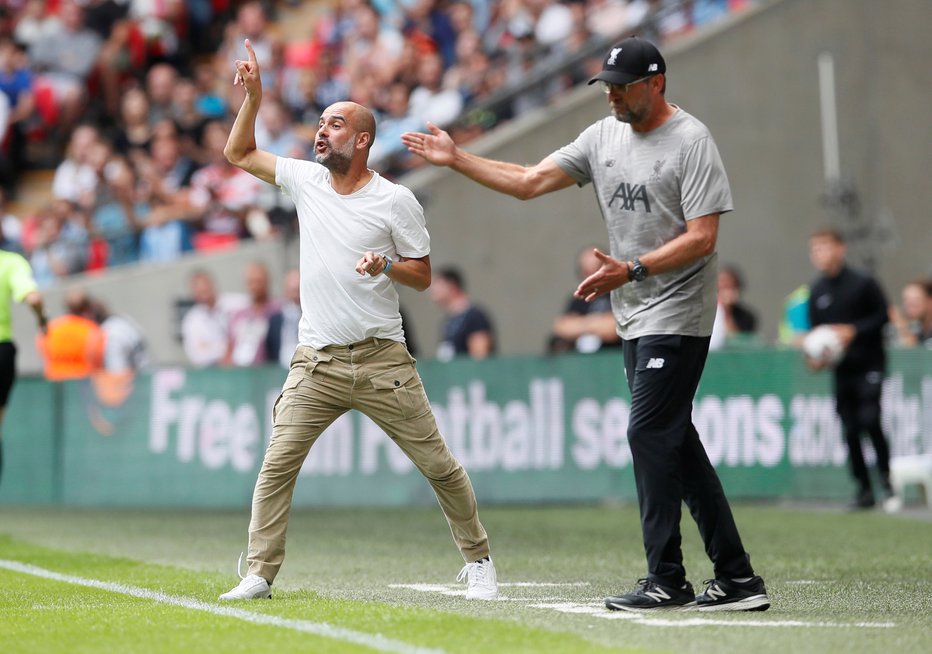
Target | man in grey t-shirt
(661,188)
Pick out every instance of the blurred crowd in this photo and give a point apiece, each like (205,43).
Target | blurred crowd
(131,101)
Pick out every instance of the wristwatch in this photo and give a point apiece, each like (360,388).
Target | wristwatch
(637,271)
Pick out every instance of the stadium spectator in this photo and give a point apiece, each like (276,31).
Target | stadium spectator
(735,322)
(65,59)
(118,215)
(585,326)
(282,337)
(914,323)
(222,192)
(354,349)
(429,101)
(660,273)
(134,131)
(125,347)
(853,304)
(16,83)
(467,329)
(16,285)
(794,321)
(249,325)
(161,81)
(73,345)
(205,326)
(74,177)
(59,244)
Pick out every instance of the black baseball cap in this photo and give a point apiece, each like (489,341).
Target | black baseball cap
(629,60)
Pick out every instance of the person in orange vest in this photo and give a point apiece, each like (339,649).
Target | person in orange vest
(73,346)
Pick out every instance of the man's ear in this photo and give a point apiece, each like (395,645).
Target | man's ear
(363,140)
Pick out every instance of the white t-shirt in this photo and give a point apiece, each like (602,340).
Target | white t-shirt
(340,306)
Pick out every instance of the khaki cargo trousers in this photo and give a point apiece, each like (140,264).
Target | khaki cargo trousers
(378,378)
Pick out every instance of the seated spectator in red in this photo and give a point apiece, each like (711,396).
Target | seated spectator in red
(65,61)
(222,192)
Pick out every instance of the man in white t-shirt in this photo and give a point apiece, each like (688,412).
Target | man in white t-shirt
(359,235)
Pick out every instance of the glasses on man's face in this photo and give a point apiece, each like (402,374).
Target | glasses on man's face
(608,87)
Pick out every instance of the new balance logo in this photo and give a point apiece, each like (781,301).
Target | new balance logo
(655,363)
(715,592)
(652,68)
(657,594)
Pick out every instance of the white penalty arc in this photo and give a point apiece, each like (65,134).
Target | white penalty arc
(372,641)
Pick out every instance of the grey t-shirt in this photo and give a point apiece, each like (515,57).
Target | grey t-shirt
(648,185)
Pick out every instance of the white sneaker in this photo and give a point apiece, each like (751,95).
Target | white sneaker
(481,581)
(251,587)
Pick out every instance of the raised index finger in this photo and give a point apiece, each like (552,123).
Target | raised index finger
(252,53)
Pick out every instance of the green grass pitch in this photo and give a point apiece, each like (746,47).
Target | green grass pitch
(368,580)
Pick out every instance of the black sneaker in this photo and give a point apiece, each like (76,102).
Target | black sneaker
(730,595)
(651,596)
(863,500)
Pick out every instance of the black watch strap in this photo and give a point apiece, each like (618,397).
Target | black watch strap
(637,272)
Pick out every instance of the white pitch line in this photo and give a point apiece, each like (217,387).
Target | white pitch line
(654,621)
(372,641)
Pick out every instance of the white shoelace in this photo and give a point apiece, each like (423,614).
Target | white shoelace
(473,572)
(239,566)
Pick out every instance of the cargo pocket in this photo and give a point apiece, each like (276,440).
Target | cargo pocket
(402,391)
(283,408)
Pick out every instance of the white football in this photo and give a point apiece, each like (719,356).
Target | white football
(822,344)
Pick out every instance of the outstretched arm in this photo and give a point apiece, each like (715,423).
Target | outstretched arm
(522,182)
(34,300)
(241,148)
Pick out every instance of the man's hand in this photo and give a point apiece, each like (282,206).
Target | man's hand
(437,147)
(611,274)
(846,333)
(371,263)
(247,73)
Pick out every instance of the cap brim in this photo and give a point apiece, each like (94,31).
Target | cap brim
(614,77)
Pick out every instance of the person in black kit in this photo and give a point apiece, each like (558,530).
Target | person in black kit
(467,331)
(853,303)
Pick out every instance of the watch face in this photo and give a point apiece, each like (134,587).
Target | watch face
(638,272)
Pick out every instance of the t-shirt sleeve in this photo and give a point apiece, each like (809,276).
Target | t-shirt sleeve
(22,281)
(705,188)
(409,226)
(290,173)
(573,159)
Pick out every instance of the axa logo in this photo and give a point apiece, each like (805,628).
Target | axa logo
(613,56)
(630,195)
(655,362)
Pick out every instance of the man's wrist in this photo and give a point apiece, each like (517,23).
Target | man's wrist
(388,264)
(637,271)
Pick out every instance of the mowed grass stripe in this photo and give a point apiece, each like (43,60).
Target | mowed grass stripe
(372,641)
